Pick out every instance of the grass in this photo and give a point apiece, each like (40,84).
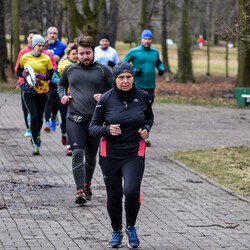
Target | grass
(228,166)
(199,59)
(214,102)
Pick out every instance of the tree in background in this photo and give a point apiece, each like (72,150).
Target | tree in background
(15,29)
(164,36)
(185,71)
(68,6)
(243,78)
(143,21)
(108,20)
(113,19)
(88,22)
(239,29)
(3,48)
(209,8)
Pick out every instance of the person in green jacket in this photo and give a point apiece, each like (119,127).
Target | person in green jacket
(145,59)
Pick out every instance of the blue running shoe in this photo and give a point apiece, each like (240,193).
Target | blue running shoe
(53,125)
(133,241)
(39,140)
(116,240)
(35,150)
(47,127)
(28,133)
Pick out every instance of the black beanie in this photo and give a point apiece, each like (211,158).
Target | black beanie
(122,67)
(104,36)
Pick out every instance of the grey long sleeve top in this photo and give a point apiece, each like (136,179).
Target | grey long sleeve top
(83,83)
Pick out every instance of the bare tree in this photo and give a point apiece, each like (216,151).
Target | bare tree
(143,22)
(102,21)
(113,19)
(185,71)
(164,36)
(208,8)
(243,33)
(3,48)
(88,22)
(239,29)
(15,27)
(71,19)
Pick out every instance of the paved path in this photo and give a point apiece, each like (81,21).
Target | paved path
(37,209)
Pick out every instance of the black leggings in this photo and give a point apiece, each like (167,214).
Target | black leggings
(52,105)
(63,112)
(25,110)
(151,93)
(35,104)
(131,170)
(83,145)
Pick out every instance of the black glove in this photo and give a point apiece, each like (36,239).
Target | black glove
(138,72)
(111,64)
(161,72)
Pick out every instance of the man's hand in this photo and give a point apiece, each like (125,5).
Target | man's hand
(56,58)
(138,72)
(161,72)
(66,99)
(143,133)
(115,129)
(97,97)
(111,64)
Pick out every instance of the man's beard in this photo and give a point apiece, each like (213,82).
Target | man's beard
(51,41)
(90,63)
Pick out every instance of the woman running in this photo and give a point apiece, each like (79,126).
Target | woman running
(69,58)
(123,118)
(35,97)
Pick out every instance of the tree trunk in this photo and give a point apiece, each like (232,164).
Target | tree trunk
(102,22)
(44,17)
(88,23)
(227,59)
(113,20)
(164,37)
(3,47)
(243,77)
(208,37)
(15,27)
(71,22)
(143,23)
(185,71)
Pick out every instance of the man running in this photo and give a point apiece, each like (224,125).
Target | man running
(87,81)
(145,59)
(56,48)
(105,54)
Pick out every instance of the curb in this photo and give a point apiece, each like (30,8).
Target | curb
(209,180)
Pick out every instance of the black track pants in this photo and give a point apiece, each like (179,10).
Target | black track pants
(52,106)
(131,171)
(83,145)
(35,104)
(25,111)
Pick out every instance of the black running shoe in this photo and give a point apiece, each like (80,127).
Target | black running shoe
(88,191)
(80,197)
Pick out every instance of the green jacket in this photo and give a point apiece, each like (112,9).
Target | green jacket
(145,59)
